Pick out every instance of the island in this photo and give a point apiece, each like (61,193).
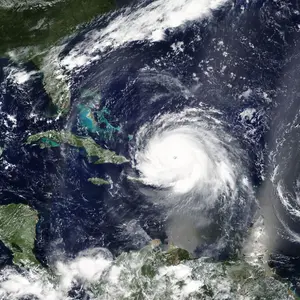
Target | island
(98,181)
(54,138)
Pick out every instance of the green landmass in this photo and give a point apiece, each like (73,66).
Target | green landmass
(153,273)
(98,181)
(18,231)
(33,32)
(157,274)
(135,179)
(44,25)
(175,255)
(92,149)
(54,80)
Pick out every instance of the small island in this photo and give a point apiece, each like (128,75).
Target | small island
(98,181)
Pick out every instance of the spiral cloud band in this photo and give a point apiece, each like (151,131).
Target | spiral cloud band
(198,173)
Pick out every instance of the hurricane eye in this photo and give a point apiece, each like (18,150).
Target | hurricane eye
(190,178)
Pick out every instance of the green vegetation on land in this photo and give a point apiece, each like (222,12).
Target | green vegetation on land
(92,149)
(17,231)
(32,32)
(98,181)
(175,255)
(157,274)
(43,25)
(55,81)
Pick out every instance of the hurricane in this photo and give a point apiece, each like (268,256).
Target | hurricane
(198,175)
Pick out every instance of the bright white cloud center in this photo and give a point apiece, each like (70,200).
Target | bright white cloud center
(187,152)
